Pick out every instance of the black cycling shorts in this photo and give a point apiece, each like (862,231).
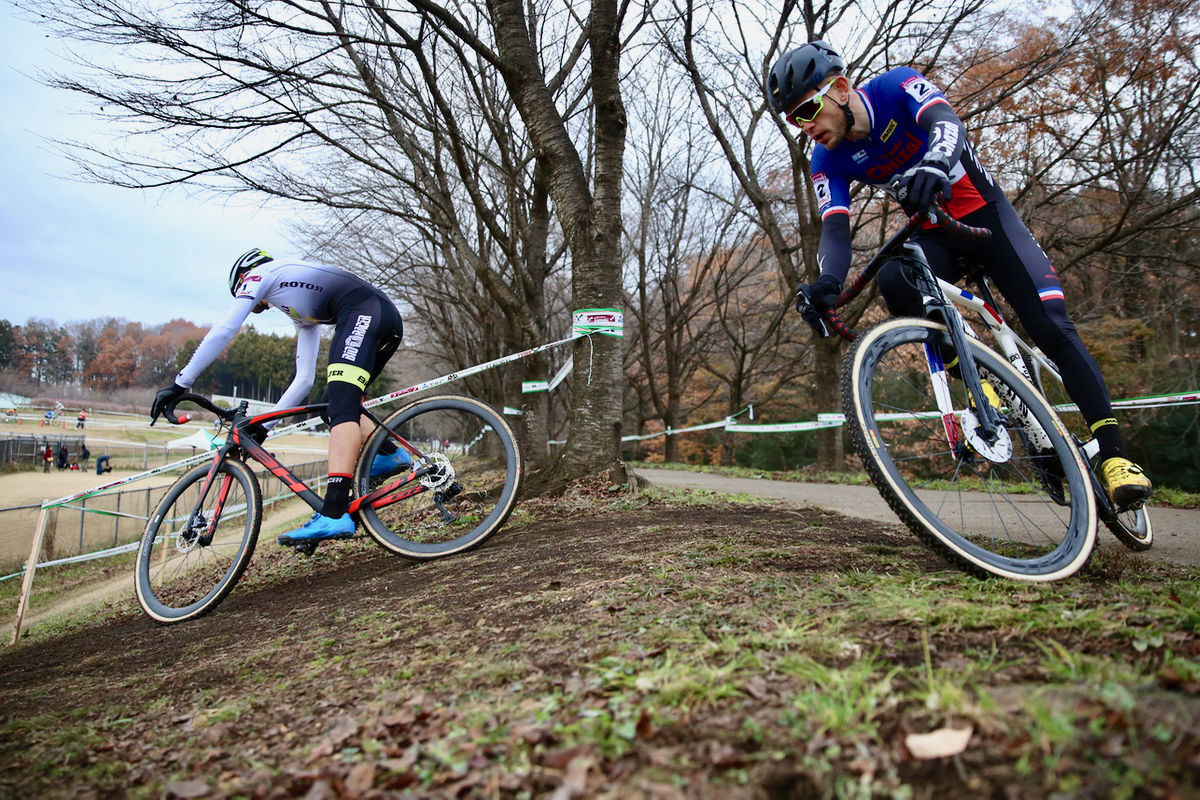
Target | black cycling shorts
(367,333)
(1021,271)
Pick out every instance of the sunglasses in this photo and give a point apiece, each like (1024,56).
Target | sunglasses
(807,111)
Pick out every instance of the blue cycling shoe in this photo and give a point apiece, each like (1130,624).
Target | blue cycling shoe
(390,464)
(318,529)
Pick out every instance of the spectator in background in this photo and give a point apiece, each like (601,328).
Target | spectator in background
(64,457)
(47,458)
(84,454)
(81,419)
(102,465)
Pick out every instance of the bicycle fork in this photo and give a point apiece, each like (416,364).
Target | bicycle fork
(196,522)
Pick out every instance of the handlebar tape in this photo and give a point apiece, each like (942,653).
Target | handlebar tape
(169,412)
(941,219)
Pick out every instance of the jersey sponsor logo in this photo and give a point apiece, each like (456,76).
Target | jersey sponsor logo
(918,88)
(943,138)
(888,131)
(860,156)
(821,184)
(970,153)
(300,285)
(901,153)
(355,339)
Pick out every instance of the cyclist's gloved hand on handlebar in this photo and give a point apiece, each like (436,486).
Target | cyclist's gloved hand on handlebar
(813,301)
(917,188)
(163,399)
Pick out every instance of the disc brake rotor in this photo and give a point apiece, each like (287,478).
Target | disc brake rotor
(998,452)
(441,475)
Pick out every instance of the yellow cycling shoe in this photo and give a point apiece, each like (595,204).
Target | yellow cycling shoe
(1127,486)
(989,391)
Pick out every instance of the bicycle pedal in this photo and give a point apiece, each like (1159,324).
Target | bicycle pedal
(306,548)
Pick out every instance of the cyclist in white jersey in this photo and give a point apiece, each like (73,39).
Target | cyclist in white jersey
(367,333)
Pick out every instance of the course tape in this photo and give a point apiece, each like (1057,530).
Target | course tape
(837,420)
(309,423)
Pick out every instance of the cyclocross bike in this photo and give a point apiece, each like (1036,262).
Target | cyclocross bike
(974,458)
(459,489)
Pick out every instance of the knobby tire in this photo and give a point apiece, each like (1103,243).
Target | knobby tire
(488,471)
(1022,529)
(180,577)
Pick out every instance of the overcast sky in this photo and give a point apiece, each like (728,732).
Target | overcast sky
(73,251)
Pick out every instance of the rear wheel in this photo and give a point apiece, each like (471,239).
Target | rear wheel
(1020,507)
(190,558)
(472,478)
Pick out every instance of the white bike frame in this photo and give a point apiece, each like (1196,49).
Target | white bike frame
(1011,346)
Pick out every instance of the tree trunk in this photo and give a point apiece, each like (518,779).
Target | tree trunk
(827,396)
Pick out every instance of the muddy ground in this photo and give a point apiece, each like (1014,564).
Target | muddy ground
(654,648)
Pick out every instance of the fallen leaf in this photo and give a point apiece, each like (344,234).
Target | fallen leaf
(722,755)
(361,777)
(458,787)
(756,687)
(645,726)
(561,759)
(532,734)
(187,789)
(400,719)
(321,790)
(322,749)
(343,730)
(575,782)
(939,744)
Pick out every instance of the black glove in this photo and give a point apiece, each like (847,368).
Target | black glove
(917,188)
(813,301)
(163,399)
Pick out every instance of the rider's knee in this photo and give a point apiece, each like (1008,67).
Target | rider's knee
(896,284)
(344,398)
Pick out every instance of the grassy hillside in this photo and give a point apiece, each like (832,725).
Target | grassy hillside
(663,646)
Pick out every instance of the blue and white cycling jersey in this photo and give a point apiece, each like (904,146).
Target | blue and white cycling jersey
(895,102)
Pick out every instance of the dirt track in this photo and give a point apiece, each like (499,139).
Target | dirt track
(1176,531)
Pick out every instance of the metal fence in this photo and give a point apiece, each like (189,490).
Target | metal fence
(27,449)
(111,519)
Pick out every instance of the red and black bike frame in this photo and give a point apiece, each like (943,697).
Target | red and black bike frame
(402,488)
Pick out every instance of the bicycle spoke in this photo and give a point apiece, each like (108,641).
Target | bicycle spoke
(194,551)
(468,476)
(988,515)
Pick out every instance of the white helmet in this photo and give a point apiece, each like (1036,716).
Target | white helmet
(248,260)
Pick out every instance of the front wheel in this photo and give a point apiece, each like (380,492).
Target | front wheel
(1020,507)
(192,555)
(462,494)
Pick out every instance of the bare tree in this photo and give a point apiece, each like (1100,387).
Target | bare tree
(343,106)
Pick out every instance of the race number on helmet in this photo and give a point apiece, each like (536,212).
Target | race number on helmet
(247,261)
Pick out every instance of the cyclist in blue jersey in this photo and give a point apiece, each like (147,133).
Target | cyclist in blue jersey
(367,332)
(898,133)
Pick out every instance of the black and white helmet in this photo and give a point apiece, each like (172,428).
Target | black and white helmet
(247,261)
(800,71)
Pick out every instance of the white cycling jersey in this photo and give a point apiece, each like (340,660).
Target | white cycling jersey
(310,294)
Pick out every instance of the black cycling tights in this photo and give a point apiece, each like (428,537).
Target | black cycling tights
(1022,273)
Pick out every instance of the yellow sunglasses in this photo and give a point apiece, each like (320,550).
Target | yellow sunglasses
(807,110)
